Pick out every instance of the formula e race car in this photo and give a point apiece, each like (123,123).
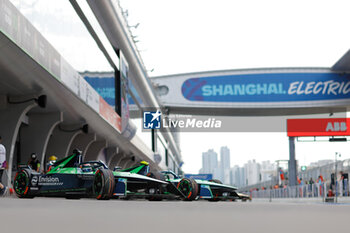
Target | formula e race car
(188,189)
(72,178)
(191,189)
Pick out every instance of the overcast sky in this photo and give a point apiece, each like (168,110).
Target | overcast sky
(187,36)
(198,35)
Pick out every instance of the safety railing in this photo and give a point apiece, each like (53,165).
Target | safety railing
(316,190)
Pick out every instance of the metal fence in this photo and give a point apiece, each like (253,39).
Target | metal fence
(325,170)
(316,190)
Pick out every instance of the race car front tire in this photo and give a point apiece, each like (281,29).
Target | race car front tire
(104,184)
(22,182)
(189,188)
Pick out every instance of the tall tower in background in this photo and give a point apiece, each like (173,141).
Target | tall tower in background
(225,164)
(210,161)
(225,157)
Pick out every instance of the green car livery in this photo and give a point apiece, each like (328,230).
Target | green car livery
(72,178)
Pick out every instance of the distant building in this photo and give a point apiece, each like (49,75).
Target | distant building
(267,169)
(242,178)
(225,164)
(252,172)
(321,163)
(225,159)
(209,162)
(217,174)
(237,176)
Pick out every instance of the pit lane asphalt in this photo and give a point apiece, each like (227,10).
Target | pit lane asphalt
(52,215)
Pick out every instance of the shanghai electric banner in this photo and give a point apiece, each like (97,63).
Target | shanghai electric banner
(268,87)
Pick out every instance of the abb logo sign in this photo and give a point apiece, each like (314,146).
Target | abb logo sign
(336,126)
(318,127)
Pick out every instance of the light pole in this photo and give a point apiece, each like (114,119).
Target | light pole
(336,175)
(271,177)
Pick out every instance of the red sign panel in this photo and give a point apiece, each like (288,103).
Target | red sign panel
(108,113)
(318,127)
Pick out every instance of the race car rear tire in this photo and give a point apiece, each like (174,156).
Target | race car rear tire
(189,188)
(159,190)
(21,183)
(104,184)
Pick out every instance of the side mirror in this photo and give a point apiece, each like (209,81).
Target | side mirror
(77,151)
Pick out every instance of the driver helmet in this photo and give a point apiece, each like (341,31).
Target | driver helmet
(86,167)
(144,163)
(33,156)
(52,158)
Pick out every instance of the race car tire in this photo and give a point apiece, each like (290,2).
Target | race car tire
(21,183)
(104,184)
(160,189)
(189,188)
(216,181)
